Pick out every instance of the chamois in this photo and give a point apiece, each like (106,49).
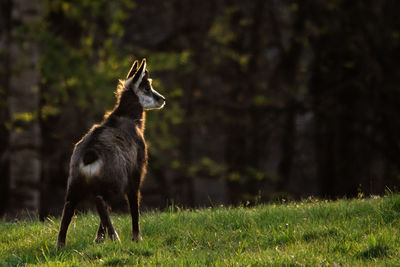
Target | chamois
(110,160)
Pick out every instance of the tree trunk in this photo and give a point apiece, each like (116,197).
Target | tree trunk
(5,24)
(23,105)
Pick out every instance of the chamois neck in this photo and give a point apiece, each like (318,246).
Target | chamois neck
(128,106)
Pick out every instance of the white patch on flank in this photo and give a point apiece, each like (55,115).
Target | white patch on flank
(91,169)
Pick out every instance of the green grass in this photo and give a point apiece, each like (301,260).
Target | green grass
(362,232)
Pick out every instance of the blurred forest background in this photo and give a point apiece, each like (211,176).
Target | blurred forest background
(266,99)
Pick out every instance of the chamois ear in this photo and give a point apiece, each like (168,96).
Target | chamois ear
(137,79)
(132,70)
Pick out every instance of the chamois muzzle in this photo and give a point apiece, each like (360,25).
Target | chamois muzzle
(159,98)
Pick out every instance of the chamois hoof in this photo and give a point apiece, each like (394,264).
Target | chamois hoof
(99,239)
(60,244)
(137,237)
(114,237)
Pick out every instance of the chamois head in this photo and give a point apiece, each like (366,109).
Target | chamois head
(138,80)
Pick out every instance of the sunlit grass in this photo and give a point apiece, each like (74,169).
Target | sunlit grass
(310,233)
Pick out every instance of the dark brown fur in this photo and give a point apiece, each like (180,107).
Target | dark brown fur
(118,146)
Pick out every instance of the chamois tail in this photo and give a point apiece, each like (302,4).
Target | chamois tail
(90,157)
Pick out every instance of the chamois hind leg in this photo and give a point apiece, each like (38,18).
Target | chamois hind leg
(105,218)
(134,203)
(101,234)
(68,212)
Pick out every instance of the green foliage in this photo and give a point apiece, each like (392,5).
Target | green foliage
(307,233)
(82,70)
(220,30)
(208,167)
(169,61)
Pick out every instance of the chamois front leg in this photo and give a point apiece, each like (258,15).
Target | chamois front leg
(134,203)
(105,218)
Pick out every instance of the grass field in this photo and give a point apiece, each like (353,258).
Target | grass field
(362,232)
